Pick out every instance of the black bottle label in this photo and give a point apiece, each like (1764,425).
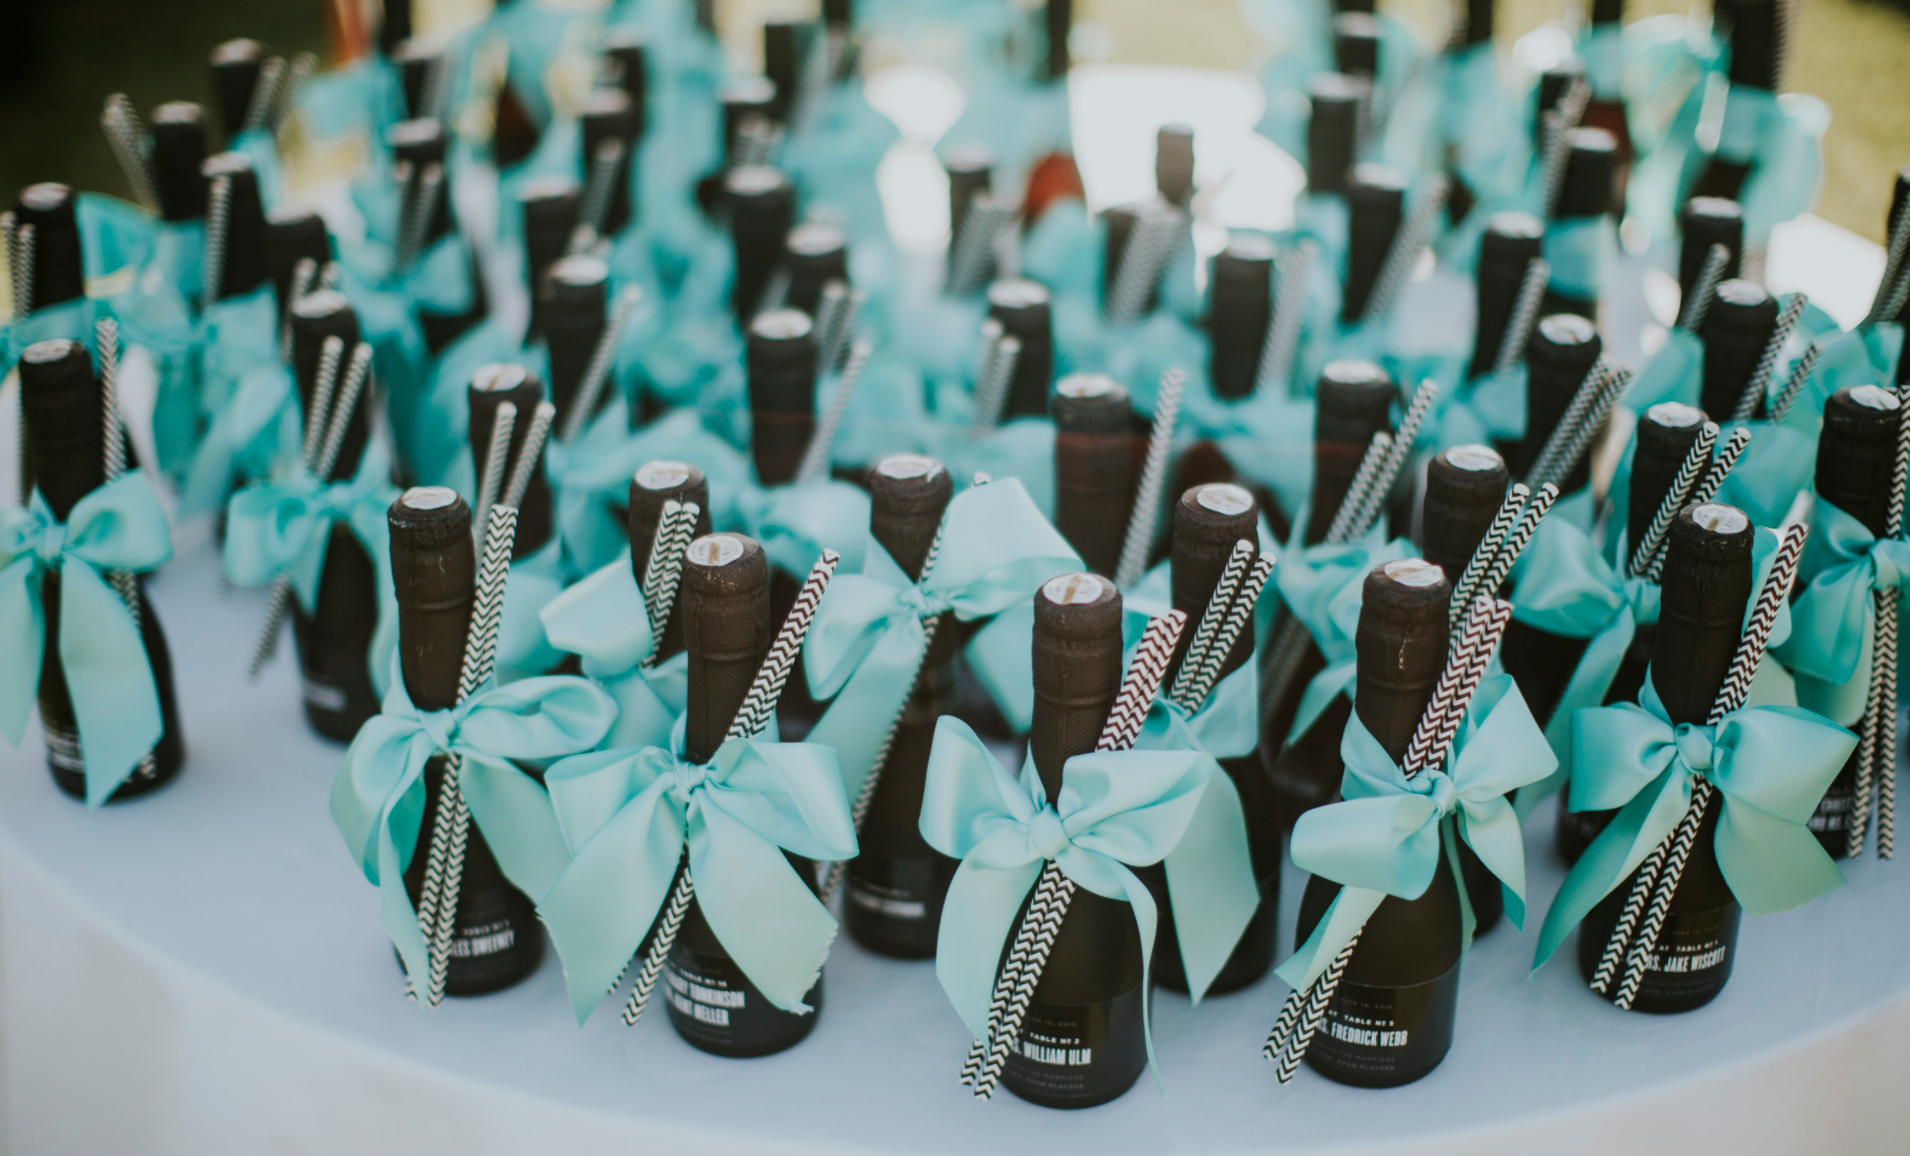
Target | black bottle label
(323,694)
(1386,1036)
(898,889)
(1078,1055)
(63,748)
(715,1007)
(1692,962)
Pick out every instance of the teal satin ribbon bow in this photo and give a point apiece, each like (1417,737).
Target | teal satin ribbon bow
(378,799)
(795,523)
(119,526)
(868,639)
(284,527)
(602,619)
(1323,587)
(1116,810)
(626,817)
(1387,837)
(1843,564)
(1770,764)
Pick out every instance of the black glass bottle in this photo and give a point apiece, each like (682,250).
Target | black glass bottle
(1208,521)
(893,889)
(1375,208)
(550,205)
(236,65)
(60,403)
(1511,240)
(1665,433)
(422,144)
(333,642)
(1338,105)
(57,274)
(1562,351)
(1239,309)
(1465,486)
(1353,401)
(242,268)
(1735,331)
(291,236)
(1082,1041)
(491,386)
(1586,191)
(815,253)
(1755,35)
(1391,1020)
(782,357)
(610,115)
(654,484)
(1093,467)
(762,207)
(497,941)
(575,315)
(725,596)
(1704,222)
(1856,456)
(179,148)
(1707,584)
(1026,313)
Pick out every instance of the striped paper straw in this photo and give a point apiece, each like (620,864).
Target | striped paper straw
(1891,287)
(1283,329)
(530,456)
(1142,259)
(212,259)
(1410,240)
(1760,380)
(1693,308)
(1560,120)
(1487,550)
(496,455)
(1345,527)
(1147,498)
(1525,311)
(815,458)
(1721,469)
(1237,618)
(602,358)
(1689,471)
(1800,373)
(131,143)
(1210,619)
(1374,495)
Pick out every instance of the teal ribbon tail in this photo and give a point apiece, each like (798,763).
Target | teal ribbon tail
(115,700)
(1211,882)
(378,798)
(1344,918)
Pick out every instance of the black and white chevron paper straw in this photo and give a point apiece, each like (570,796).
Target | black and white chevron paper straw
(1373,497)
(20,243)
(1583,418)
(113,441)
(664,571)
(1021,973)
(1210,621)
(815,458)
(1728,456)
(1238,616)
(838,340)
(751,717)
(1345,519)
(1001,353)
(1432,739)
(1877,757)
(1895,282)
(1677,847)
(1151,242)
(1516,541)
(597,374)
(212,259)
(1693,308)
(1289,303)
(1147,498)
(1408,243)
(1560,120)
(1800,373)
(530,457)
(451,824)
(1760,380)
(131,143)
(1484,555)
(264,92)
(496,461)
(1525,312)
(1689,471)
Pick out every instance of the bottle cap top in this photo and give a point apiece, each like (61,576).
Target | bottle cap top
(1074,589)
(907,466)
(1874,397)
(1567,329)
(45,197)
(1516,223)
(1719,518)
(240,51)
(663,475)
(781,325)
(429,497)
(754,181)
(322,303)
(1414,572)
(815,239)
(1674,415)
(1475,458)
(580,272)
(1352,372)
(1714,208)
(1249,247)
(1017,293)
(1225,498)
(1085,385)
(968,158)
(716,550)
(499,377)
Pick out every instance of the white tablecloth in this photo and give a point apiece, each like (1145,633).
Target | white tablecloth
(203,971)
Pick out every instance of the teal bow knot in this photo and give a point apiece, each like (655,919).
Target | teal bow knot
(1770,765)
(119,526)
(1388,835)
(1843,564)
(626,817)
(1115,810)
(378,798)
(868,638)
(283,527)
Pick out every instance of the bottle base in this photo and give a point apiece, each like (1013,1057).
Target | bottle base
(715,1008)
(1078,1055)
(1692,962)
(1386,1037)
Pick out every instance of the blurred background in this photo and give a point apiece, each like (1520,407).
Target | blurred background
(62,57)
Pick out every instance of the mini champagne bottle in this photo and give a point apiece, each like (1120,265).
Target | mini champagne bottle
(1239,309)
(894,887)
(1707,584)
(1093,467)
(1704,222)
(610,115)
(1026,313)
(1208,521)
(815,253)
(762,207)
(242,266)
(1736,328)
(727,629)
(179,149)
(654,484)
(1856,457)
(333,642)
(434,571)
(575,315)
(60,403)
(1081,1042)
(550,205)
(491,386)
(1465,486)
(1391,1020)
(1376,205)
(1511,240)
(1579,235)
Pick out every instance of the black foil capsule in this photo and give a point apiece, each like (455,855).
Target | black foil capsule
(1239,310)
(1093,467)
(1026,313)
(782,356)
(1511,241)
(1736,329)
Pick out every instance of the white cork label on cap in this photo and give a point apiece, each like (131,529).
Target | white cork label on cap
(430,497)
(1073,589)
(904,466)
(1415,572)
(663,475)
(1675,414)
(1720,519)
(716,550)
(1874,397)
(1476,459)
(1086,385)
(1225,498)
